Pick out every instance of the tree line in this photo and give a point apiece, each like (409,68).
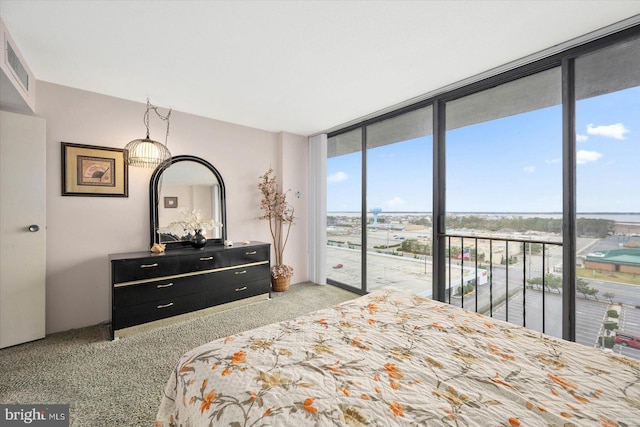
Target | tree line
(553,282)
(585,227)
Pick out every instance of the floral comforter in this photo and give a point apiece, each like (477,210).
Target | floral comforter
(391,358)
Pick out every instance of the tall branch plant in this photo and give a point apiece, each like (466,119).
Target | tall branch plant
(279,213)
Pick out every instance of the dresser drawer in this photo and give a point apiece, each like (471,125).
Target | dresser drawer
(149,268)
(241,275)
(210,261)
(126,296)
(249,254)
(150,311)
(224,294)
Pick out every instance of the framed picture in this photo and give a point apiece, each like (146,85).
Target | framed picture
(170,202)
(89,170)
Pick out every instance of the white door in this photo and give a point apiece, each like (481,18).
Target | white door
(22,206)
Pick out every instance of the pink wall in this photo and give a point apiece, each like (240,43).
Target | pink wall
(83,231)
(294,163)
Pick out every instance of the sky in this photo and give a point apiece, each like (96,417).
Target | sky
(512,164)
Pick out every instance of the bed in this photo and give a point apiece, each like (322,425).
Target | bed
(391,358)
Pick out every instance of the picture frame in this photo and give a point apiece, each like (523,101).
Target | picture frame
(93,171)
(170,202)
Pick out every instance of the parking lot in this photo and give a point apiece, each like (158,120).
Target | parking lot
(630,323)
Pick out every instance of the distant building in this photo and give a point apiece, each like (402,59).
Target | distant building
(616,260)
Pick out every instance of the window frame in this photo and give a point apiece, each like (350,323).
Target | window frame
(565,60)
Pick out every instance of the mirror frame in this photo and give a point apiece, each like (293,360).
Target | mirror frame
(154,199)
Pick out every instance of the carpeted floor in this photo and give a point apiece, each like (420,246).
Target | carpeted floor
(119,383)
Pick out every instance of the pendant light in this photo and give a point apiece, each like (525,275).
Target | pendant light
(146,152)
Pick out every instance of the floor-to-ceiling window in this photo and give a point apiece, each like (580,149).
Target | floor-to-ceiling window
(392,231)
(398,209)
(535,195)
(504,181)
(608,195)
(344,209)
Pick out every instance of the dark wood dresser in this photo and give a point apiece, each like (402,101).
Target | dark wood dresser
(149,287)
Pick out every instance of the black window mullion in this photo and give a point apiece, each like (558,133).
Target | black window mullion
(569,200)
(439,209)
(363,213)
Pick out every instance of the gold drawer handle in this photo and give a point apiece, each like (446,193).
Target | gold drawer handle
(241,272)
(206,259)
(149,265)
(250,253)
(164,286)
(165,305)
(241,289)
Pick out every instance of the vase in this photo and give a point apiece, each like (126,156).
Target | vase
(198,241)
(280,284)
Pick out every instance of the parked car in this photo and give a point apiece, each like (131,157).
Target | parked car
(625,339)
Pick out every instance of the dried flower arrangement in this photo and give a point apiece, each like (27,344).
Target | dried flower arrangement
(190,223)
(279,213)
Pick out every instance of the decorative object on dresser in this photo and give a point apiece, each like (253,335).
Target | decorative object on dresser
(198,189)
(158,247)
(149,287)
(279,213)
(191,224)
(198,241)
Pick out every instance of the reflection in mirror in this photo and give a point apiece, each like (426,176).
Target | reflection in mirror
(187,194)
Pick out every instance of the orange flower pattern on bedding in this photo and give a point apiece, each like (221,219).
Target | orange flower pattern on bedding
(308,405)
(395,359)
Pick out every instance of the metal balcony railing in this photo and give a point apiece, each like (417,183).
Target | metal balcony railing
(482,283)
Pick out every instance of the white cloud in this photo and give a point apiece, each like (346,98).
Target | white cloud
(551,161)
(616,131)
(584,156)
(581,138)
(529,169)
(337,177)
(394,203)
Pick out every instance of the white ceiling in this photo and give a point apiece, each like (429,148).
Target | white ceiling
(296,66)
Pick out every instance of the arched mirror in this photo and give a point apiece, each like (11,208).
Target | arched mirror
(181,189)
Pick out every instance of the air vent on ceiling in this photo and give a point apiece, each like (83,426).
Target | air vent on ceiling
(17,84)
(17,67)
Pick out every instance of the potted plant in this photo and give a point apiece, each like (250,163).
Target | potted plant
(279,213)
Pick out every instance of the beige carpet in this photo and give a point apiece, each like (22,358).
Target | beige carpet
(119,383)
